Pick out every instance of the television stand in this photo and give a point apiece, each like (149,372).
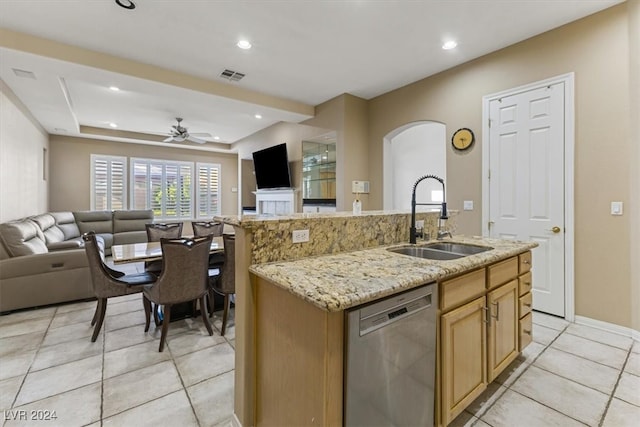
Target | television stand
(276,201)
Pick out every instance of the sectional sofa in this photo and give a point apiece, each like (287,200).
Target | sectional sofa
(42,258)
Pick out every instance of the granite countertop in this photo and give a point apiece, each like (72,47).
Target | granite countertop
(341,281)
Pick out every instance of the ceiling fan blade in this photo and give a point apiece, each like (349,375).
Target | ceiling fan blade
(196,140)
(201,134)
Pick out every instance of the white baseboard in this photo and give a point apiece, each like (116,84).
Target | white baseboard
(235,422)
(609,327)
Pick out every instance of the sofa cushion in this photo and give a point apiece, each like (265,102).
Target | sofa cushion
(22,238)
(67,223)
(76,243)
(99,221)
(133,220)
(47,223)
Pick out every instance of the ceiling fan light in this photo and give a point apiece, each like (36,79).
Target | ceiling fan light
(127,4)
(244,44)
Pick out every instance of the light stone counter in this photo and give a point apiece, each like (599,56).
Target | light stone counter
(341,281)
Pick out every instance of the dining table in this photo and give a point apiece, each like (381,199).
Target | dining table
(152,251)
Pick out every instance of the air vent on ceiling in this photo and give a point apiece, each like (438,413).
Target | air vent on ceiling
(24,73)
(234,76)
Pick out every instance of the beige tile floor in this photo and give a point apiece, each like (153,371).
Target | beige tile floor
(570,375)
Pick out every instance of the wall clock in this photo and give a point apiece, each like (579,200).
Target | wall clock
(462,139)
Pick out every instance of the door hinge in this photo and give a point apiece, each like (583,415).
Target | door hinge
(489,120)
(489,174)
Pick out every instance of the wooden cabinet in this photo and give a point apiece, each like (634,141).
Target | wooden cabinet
(503,330)
(464,367)
(525,300)
(483,320)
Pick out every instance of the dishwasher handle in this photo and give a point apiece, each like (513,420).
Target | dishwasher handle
(393,314)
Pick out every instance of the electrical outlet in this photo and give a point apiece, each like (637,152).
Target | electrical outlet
(616,208)
(468,205)
(420,224)
(300,236)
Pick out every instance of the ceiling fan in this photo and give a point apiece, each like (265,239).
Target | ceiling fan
(179,133)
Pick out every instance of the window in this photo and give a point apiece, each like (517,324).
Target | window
(164,186)
(108,182)
(208,191)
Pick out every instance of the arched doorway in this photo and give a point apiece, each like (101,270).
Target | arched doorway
(411,151)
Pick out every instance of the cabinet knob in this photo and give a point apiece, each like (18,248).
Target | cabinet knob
(526,332)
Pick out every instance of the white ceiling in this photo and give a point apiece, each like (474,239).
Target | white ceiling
(304,51)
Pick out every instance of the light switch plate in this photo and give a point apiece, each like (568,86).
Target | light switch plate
(616,208)
(468,205)
(361,187)
(234,189)
(420,223)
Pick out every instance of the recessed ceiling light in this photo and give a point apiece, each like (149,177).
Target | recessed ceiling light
(451,44)
(217,138)
(113,125)
(114,88)
(244,44)
(258,116)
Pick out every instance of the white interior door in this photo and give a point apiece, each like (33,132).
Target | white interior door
(526,184)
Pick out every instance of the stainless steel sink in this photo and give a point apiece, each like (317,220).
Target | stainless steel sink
(426,253)
(441,251)
(458,248)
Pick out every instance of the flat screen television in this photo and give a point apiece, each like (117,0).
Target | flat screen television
(272,167)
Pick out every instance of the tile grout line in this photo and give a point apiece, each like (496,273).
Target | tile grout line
(507,388)
(35,355)
(615,387)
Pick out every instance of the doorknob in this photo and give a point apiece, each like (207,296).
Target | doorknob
(556,229)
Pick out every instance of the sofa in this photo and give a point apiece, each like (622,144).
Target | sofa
(42,258)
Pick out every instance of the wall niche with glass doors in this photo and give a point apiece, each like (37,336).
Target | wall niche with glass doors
(318,173)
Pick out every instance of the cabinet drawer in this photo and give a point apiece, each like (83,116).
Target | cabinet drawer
(463,288)
(524,284)
(526,333)
(525,305)
(524,261)
(502,272)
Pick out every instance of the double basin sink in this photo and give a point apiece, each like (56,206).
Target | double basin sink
(441,251)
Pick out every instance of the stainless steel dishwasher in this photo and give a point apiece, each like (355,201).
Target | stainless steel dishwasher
(390,360)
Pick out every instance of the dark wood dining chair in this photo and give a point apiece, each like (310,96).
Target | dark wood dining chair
(155,232)
(225,283)
(203,228)
(183,278)
(108,282)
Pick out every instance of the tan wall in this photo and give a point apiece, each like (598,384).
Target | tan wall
(248,186)
(634,211)
(70,172)
(23,183)
(597,50)
(348,115)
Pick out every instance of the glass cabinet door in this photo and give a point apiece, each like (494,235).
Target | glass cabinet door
(318,170)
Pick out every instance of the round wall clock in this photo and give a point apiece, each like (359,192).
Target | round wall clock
(462,139)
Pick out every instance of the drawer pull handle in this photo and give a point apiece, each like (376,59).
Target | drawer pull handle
(487,316)
(526,332)
(57,265)
(526,261)
(527,305)
(497,316)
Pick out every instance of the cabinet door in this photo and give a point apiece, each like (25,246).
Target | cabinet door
(464,365)
(503,327)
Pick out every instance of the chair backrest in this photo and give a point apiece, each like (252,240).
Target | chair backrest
(101,275)
(208,227)
(185,264)
(155,232)
(228,273)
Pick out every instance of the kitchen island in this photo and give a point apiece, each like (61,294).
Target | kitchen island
(290,329)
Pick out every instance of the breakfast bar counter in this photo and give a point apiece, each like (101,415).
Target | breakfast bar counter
(291,300)
(341,281)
